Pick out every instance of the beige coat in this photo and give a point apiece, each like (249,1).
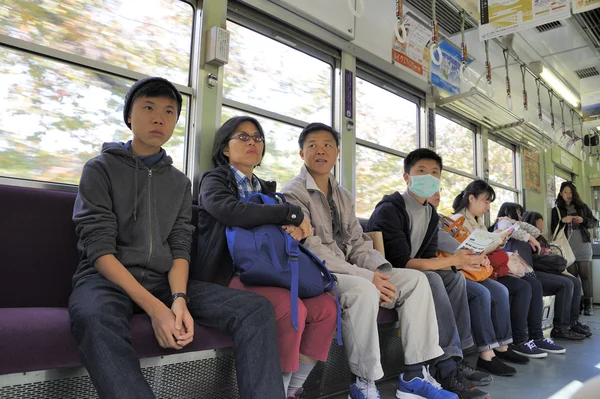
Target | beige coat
(358,257)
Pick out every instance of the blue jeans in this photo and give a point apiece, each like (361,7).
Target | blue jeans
(452,311)
(568,296)
(100,311)
(490,314)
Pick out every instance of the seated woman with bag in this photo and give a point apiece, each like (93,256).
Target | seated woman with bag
(239,147)
(488,301)
(550,265)
(524,242)
(473,203)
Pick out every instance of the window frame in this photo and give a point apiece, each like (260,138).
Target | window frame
(517,180)
(476,147)
(269,28)
(75,60)
(400,89)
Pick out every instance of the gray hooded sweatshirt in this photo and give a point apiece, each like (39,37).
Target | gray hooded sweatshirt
(140,215)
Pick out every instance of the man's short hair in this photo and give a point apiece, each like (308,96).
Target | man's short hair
(315,127)
(418,155)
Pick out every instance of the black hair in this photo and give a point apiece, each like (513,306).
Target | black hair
(422,153)
(151,87)
(576,201)
(315,127)
(510,210)
(532,217)
(475,188)
(224,134)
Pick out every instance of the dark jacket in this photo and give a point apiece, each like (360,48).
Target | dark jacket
(219,207)
(140,215)
(589,221)
(390,217)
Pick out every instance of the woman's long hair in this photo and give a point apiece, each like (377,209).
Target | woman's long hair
(576,201)
(475,188)
(508,209)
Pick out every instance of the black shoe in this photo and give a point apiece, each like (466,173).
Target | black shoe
(496,367)
(565,333)
(462,387)
(588,306)
(511,356)
(581,328)
(477,378)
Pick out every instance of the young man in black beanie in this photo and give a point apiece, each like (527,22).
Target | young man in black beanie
(133,219)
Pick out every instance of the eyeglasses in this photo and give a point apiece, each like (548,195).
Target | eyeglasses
(247,137)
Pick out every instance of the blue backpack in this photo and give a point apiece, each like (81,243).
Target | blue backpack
(266,255)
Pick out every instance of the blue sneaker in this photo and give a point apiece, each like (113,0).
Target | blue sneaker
(363,389)
(529,349)
(547,345)
(426,387)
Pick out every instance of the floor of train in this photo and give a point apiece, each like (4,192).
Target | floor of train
(554,377)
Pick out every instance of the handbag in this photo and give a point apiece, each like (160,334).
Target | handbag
(560,239)
(499,261)
(549,263)
(268,256)
(460,234)
(517,266)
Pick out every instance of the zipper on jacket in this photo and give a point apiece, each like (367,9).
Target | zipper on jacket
(149,215)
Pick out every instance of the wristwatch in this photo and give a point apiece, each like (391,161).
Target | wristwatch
(180,295)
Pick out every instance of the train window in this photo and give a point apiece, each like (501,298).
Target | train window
(502,196)
(502,159)
(281,148)
(272,76)
(456,144)
(150,37)
(452,185)
(385,118)
(54,117)
(377,174)
(501,163)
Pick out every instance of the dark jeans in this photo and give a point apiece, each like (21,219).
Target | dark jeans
(490,314)
(452,311)
(526,307)
(100,311)
(568,296)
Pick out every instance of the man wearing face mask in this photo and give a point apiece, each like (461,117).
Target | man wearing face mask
(410,232)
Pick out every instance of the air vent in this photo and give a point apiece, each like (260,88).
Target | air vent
(447,16)
(587,73)
(589,23)
(549,26)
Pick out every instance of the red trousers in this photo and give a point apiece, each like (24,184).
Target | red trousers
(317,321)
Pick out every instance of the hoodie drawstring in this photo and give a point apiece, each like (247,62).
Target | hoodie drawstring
(135,190)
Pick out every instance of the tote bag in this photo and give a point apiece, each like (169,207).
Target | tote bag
(560,239)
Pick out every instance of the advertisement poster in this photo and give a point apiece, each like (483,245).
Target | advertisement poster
(413,55)
(584,5)
(502,17)
(532,171)
(446,76)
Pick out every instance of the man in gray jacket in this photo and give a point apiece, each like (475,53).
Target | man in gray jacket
(365,279)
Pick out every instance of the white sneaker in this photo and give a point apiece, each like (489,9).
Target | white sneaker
(363,389)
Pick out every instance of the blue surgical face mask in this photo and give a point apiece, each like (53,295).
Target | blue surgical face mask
(424,186)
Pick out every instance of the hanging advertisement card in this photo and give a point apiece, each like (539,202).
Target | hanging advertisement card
(502,17)
(446,76)
(584,5)
(413,56)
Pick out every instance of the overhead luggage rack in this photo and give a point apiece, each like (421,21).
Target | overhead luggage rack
(479,108)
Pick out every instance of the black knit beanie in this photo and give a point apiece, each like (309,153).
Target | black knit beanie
(140,84)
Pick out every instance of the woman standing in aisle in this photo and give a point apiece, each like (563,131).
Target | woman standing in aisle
(575,217)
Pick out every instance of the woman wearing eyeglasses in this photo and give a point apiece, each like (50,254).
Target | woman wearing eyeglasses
(576,218)
(238,148)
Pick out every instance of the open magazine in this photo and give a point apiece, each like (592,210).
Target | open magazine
(480,240)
